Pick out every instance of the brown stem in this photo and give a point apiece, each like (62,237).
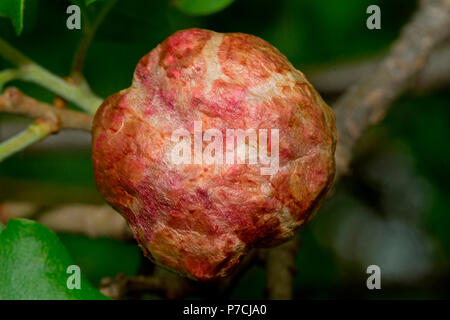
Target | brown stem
(163,283)
(367,101)
(14,101)
(280,270)
(365,104)
(335,79)
(171,286)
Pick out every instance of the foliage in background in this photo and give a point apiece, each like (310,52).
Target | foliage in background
(399,186)
(201,7)
(13,9)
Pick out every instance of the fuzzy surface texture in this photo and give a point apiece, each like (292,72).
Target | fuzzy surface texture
(200,219)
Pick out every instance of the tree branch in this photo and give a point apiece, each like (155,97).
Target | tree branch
(28,70)
(336,78)
(364,104)
(367,101)
(48,120)
(280,269)
(8,75)
(34,133)
(14,101)
(171,286)
(162,282)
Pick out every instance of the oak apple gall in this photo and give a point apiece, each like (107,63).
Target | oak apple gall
(197,219)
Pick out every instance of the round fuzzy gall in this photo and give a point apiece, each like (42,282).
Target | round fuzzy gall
(196,217)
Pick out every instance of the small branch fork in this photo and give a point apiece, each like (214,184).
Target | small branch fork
(15,102)
(362,105)
(48,120)
(28,70)
(34,133)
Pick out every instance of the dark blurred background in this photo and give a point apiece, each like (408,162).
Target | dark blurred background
(392,211)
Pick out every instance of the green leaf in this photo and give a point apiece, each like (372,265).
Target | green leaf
(84,3)
(201,7)
(34,263)
(13,9)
